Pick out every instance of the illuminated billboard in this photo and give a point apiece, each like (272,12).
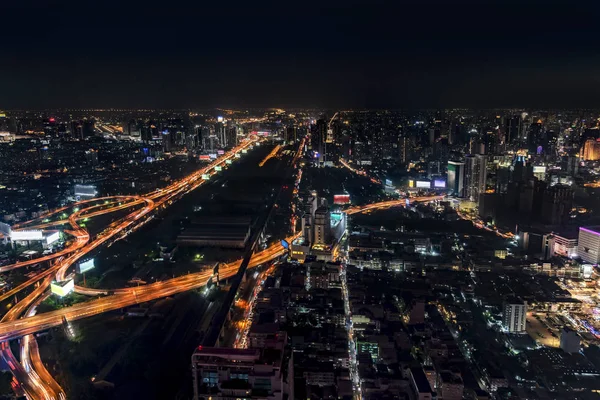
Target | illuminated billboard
(63,288)
(85,266)
(423,184)
(27,235)
(539,169)
(244,151)
(52,237)
(218,168)
(204,157)
(438,183)
(220,152)
(228,161)
(213,156)
(341,199)
(205,177)
(388,182)
(237,155)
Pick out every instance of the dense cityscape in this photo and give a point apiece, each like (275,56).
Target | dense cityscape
(300,253)
(312,200)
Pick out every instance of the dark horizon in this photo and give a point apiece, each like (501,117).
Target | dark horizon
(351,54)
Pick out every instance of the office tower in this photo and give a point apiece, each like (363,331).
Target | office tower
(590,150)
(167,142)
(475,176)
(231,135)
(406,148)
(322,225)
(502,179)
(557,202)
(588,244)
(91,157)
(88,127)
(146,133)
(514,316)
(318,138)
(176,129)
(310,208)
(512,125)
(524,127)
(456,177)
(77,129)
(191,142)
(220,132)
(50,126)
(535,137)
(570,342)
(290,134)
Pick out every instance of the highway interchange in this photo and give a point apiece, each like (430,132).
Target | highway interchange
(31,377)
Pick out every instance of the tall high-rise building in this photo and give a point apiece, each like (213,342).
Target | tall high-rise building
(456,178)
(91,157)
(475,176)
(290,134)
(310,208)
(231,135)
(318,138)
(512,126)
(50,126)
(557,203)
(322,225)
(590,151)
(220,132)
(77,129)
(588,244)
(514,316)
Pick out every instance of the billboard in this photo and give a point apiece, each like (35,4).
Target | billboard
(218,168)
(204,157)
(62,288)
(423,184)
(539,169)
(341,199)
(205,177)
(237,155)
(52,237)
(213,156)
(27,235)
(244,151)
(285,244)
(220,152)
(85,266)
(228,161)
(439,183)
(411,183)
(388,182)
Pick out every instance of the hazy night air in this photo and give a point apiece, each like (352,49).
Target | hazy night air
(355,200)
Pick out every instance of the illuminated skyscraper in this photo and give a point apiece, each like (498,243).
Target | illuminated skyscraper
(588,245)
(591,150)
(475,176)
(456,177)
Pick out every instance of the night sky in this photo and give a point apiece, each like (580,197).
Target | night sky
(361,54)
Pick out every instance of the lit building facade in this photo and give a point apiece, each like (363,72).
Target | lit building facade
(588,245)
(514,316)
